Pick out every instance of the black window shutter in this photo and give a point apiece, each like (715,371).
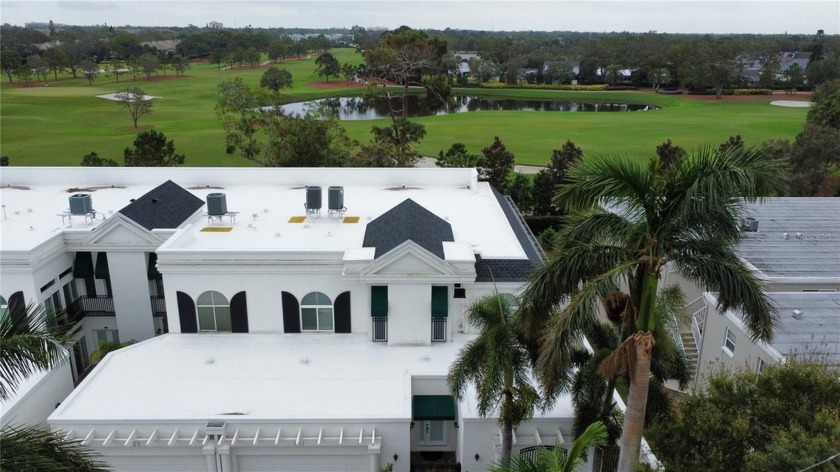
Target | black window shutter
(17,307)
(186,312)
(90,286)
(239,313)
(341,309)
(291,314)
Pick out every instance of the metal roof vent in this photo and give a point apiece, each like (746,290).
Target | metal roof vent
(216,204)
(81,204)
(335,200)
(313,199)
(750,224)
(798,314)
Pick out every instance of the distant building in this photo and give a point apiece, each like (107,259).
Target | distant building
(215,25)
(167,45)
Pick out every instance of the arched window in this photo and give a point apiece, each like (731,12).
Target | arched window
(213,312)
(4,307)
(511,300)
(316,312)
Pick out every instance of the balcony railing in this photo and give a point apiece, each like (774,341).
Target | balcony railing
(438,329)
(379,328)
(158,306)
(87,306)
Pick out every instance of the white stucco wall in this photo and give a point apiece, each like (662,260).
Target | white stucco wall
(37,399)
(409,314)
(131,295)
(712,353)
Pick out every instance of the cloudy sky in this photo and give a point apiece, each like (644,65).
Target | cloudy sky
(674,16)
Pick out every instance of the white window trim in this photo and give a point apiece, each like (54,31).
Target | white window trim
(215,315)
(725,348)
(317,317)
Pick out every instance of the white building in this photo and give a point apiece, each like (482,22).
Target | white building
(308,329)
(793,246)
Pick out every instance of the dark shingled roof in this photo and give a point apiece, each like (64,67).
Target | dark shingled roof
(166,206)
(408,221)
(510,270)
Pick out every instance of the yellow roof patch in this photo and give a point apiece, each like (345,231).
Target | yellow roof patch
(297,219)
(217,229)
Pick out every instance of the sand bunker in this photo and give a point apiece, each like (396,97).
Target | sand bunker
(118,96)
(790,103)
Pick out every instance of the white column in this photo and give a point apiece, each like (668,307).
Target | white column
(373,456)
(132,304)
(227,463)
(210,456)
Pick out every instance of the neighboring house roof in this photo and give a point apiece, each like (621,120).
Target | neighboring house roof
(166,206)
(816,332)
(466,56)
(511,270)
(797,237)
(163,45)
(408,221)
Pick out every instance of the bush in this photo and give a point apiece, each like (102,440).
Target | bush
(622,87)
(753,92)
(711,92)
(670,92)
(538,224)
(577,88)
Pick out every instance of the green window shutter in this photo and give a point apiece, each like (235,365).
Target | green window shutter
(152,272)
(102,271)
(433,408)
(440,302)
(379,300)
(83,265)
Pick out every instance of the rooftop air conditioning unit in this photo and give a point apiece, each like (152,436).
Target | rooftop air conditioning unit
(216,204)
(750,224)
(313,198)
(81,204)
(335,198)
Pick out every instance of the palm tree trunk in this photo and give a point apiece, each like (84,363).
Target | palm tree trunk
(634,418)
(507,428)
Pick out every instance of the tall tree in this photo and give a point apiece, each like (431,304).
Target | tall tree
(151,149)
(498,365)
(786,417)
(93,159)
(134,100)
(149,63)
(688,216)
(56,60)
(498,164)
(275,79)
(10,61)
(90,70)
(459,156)
(327,66)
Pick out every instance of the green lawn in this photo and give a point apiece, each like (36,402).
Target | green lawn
(57,125)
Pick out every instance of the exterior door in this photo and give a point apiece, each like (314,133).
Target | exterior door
(434,433)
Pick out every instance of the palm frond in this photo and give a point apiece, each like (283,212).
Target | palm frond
(594,436)
(35,449)
(28,345)
(597,178)
(563,332)
(738,288)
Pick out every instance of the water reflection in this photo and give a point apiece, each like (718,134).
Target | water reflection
(360,108)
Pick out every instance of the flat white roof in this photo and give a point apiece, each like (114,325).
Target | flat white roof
(187,377)
(195,377)
(265,200)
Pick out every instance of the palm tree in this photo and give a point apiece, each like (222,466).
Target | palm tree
(499,366)
(557,460)
(31,341)
(684,213)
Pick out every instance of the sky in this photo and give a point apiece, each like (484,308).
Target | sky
(674,16)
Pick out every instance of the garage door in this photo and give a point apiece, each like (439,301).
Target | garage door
(195,463)
(324,463)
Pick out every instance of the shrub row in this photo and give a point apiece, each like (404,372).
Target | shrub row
(753,92)
(578,88)
(622,87)
(670,92)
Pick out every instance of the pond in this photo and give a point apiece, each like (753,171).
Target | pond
(360,108)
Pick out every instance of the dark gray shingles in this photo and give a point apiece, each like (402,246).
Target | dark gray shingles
(510,270)
(165,206)
(408,221)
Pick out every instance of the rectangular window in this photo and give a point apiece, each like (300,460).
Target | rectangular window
(47,286)
(309,319)
(68,271)
(729,341)
(325,319)
(379,300)
(206,319)
(761,365)
(440,302)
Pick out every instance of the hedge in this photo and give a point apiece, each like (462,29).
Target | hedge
(577,88)
(753,92)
